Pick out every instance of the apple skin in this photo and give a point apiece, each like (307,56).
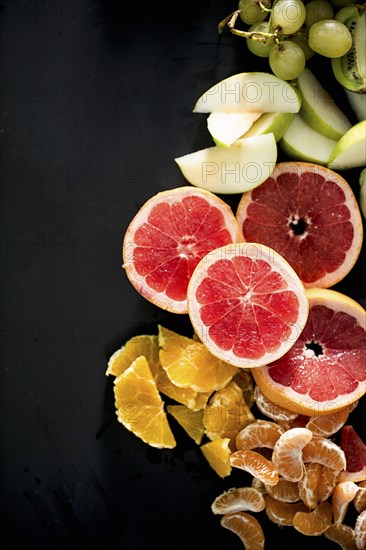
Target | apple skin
(301,142)
(318,108)
(277,123)
(225,128)
(350,151)
(249,92)
(358,104)
(235,169)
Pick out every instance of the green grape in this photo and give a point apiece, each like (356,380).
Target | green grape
(330,38)
(317,10)
(302,41)
(251,12)
(260,49)
(287,60)
(287,15)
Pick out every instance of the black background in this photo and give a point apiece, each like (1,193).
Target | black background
(96,102)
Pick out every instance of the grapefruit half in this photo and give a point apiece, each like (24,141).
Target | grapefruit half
(325,370)
(247,304)
(168,236)
(310,215)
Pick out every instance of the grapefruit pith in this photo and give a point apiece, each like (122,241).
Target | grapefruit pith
(325,370)
(168,236)
(310,215)
(247,304)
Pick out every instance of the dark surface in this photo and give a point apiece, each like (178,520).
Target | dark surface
(96,101)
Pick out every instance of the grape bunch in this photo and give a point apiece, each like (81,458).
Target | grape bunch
(289,32)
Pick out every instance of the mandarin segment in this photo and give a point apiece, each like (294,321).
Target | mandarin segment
(272,410)
(327,425)
(325,452)
(309,484)
(261,433)
(360,499)
(344,493)
(328,480)
(255,464)
(191,421)
(360,531)
(239,499)
(287,453)
(284,491)
(316,522)
(217,453)
(282,513)
(226,413)
(246,527)
(189,364)
(139,406)
(341,534)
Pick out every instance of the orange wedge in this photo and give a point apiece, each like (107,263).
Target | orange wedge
(217,454)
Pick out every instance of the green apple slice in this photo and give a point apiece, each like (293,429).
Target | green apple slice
(363,192)
(350,150)
(249,92)
(235,169)
(302,142)
(278,123)
(225,128)
(358,103)
(318,108)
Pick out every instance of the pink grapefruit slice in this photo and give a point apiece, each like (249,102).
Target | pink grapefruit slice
(354,449)
(247,304)
(325,370)
(310,215)
(168,236)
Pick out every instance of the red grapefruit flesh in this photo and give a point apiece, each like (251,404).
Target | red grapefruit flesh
(168,236)
(325,370)
(355,452)
(246,304)
(310,215)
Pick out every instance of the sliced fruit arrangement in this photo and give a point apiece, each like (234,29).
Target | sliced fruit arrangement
(310,215)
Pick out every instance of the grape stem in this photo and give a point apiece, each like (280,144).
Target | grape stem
(260,36)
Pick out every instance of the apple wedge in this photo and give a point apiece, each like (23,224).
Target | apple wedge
(249,92)
(358,103)
(350,150)
(302,142)
(278,123)
(319,109)
(235,169)
(225,128)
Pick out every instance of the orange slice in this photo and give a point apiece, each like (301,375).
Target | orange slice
(239,499)
(217,454)
(324,371)
(284,491)
(310,215)
(226,413)
(344,493)
(314,523)
(247,528)
(360,531)
(287,453)
(261,433)
(255,464)
(282,513)
(341,534)
(168,236)
(189,364)
(139,405)
(247,304)
(191,421)
(245,381)
(325,452)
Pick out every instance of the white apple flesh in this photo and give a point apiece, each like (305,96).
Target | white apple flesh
(277,123)
(235,169)
(225,128)
(350,151)
(249,92)
(319,109)
(301,142)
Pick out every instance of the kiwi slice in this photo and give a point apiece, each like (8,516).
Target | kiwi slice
(350,69)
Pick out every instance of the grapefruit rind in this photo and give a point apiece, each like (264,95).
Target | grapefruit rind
(170,197)
(285,396)
(278,265)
